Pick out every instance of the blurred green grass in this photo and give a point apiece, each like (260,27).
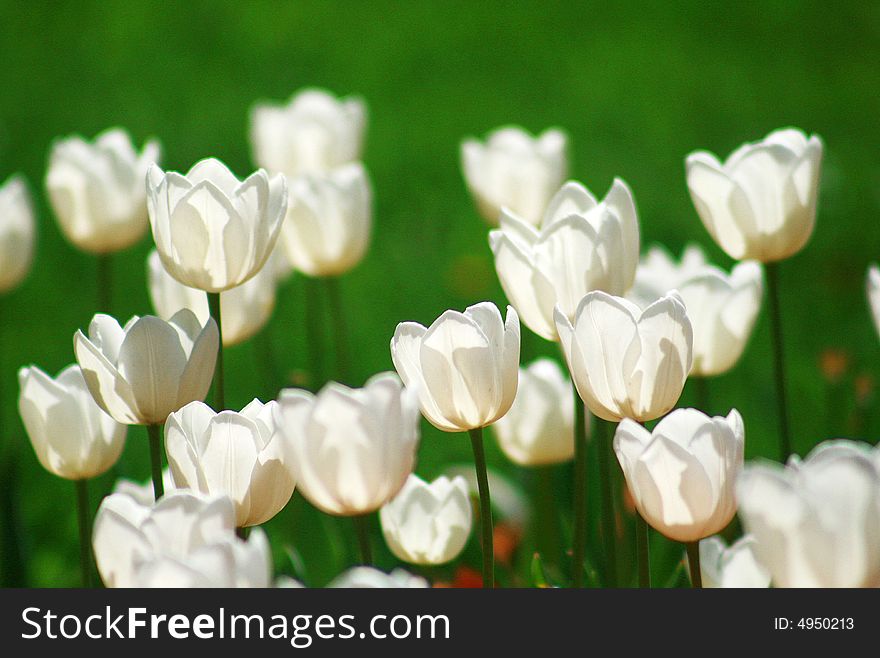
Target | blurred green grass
(636,85)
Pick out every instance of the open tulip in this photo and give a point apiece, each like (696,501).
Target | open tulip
(142,372)
(731,566)
(17,230)
(625,362)
(682,475)
(142,492)
(874,294)
(428,523)
(514,170)
(314,132)
(350,450)
(236,454)
(370,578)
(816,522)
(761,202)
(214,232)
(97,190)
(581,245)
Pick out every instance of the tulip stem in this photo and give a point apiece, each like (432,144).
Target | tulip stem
(155,434)
(643,552)
(547,526)
(362,528)
(214,308)
(693,553)
(85,531)
(606,454)
(105,282)
(485,508)
(778,357)
(337,319)
(314,333)
(579,541)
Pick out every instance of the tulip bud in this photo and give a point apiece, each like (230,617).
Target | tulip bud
(514,170)
(682,475)
(582,245)
(539,428)
(733,566)
(142,372)
(238,455)
(761,202)
(97,190)
(350,450)
(627,363)
(428,523)
(370,578)
(17,229)
(214,232)
(72,437)
(464,366)
(874,294)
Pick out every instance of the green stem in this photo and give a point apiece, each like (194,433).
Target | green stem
(547,541)
(606,454)
(579,541)
(105,282)
(155,434)
(314,332)
(693,553)
(214,308)
(643,552)
(702,385)
(85,531)
(362,528)
(337,320)
(485,508)
(778,357)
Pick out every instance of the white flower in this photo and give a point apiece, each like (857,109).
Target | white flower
(370,578)
(142,492)
(731,566)
(17,232)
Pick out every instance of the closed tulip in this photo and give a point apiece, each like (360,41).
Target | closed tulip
(313,132)
(371,578)
(731,566)
(97,192)
(350,450)
(761,202)
(581,245)
(428,523)
(539,428)
(874,294)
(625,362)
(327,227)
(816,522)
(514,170)
(464,366)
(17,233)
(236,454)
(214,232)
(682,474)
(142,372)
(72,437)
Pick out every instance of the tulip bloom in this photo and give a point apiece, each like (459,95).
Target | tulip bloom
(17,231)
(581,245)
(761,202)
(214,232)
(370,578)
(313,133)
(97,190)
(627,363)
(682,475)
(539,428)
(428,523)
(731,566)
(816,522)
(71,436)
(874,294)
(142,492)
(236,454)
(142,372)
(464,366)
(350,450)
(514,170)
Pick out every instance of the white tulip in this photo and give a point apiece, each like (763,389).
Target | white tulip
(658,273)
(17,232)
(371,578)
(761,202)
(72,437)
(509,501)
(816,522)
(313,133)
(464,366)
(627,363)
(142,372)
(97,192)
(214,232)
(581,245)
(731,566)
(235,454)
(350,450)
(428,523)
(539,428)
(328,221)
(514,170)
(874,294)
(682,475)
(142,492)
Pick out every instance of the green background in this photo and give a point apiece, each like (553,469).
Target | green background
(636,85)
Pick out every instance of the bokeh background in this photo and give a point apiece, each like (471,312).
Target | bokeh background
(636,85)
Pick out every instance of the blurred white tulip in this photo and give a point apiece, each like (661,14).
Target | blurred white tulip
(17,232)
(682,475)
(214,232)
(142,372)
(874,294)
(142,492)
(761,202)
(464,366)
(731,566)
(370,578)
